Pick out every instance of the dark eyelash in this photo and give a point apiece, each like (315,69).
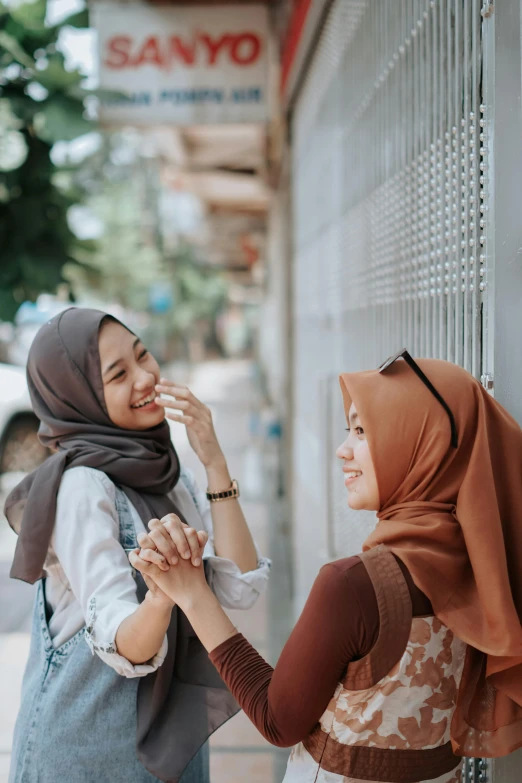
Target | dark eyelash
(122,372)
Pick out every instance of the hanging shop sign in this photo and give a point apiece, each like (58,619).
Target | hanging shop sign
(182,65)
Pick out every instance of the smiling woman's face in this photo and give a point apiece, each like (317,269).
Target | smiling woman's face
(130,374)
(360,479)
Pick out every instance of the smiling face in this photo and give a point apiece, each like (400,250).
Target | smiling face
(360,479)
(130,374)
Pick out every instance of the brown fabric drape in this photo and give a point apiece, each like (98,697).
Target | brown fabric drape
(454,517)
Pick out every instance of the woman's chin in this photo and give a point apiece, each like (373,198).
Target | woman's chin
(354,502)
(149,419)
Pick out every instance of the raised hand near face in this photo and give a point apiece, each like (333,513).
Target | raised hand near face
(182,406)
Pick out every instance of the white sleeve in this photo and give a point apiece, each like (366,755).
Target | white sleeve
(86,542)
(232,588)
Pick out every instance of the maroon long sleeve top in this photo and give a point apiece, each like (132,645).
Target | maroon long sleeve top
(339,624)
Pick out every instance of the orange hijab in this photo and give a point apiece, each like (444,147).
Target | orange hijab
(454,517)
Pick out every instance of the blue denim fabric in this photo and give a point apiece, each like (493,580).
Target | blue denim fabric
(77,720)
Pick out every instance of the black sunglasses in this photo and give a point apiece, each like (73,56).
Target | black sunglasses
(426,381)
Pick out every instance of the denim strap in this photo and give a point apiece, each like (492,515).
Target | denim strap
(128,538)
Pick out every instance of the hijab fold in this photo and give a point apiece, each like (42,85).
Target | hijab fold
(454,517)
(184,701)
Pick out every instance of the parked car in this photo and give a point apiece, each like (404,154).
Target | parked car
(20,449)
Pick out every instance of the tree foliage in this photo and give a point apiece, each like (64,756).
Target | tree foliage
(133,256)
(201,291)
(41,103)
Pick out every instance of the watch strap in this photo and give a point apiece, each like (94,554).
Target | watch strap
(224,494)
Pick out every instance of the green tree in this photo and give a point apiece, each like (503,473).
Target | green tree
(41,102)
(201,291)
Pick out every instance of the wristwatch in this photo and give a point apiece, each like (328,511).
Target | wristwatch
(225,494)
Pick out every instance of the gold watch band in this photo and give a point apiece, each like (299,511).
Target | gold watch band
(224,494)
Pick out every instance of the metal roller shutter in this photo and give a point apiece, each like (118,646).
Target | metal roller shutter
(390,155)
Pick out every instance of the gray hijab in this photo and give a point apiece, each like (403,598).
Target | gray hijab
(185,700)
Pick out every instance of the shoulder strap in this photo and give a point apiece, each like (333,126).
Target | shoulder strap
(127,530)
(395,616)
(128,538)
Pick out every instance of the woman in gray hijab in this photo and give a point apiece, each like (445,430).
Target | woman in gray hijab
(117,686)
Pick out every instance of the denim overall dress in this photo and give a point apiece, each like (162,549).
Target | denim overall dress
(77,720)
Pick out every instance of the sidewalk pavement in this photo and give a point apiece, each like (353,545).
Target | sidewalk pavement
(238,752)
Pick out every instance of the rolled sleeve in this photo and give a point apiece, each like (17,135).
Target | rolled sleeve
(233,588)
(100,634)
(124,667)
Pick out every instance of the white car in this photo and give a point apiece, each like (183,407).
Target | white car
(20,449)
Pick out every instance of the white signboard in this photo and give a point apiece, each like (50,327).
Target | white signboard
(183,65)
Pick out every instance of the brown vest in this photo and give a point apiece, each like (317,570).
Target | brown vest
(389,719)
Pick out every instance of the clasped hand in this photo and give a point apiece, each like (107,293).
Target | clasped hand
(170,560)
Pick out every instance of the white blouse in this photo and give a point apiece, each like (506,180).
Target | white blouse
(89,578)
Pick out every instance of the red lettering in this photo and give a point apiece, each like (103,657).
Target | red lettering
(119,49)
(165,52)
(178,49)
(149,54)
(214,47)
(245,48)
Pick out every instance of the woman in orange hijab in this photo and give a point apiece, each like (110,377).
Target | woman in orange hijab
(408,656)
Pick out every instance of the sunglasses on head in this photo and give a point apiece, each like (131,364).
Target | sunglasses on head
(426,381)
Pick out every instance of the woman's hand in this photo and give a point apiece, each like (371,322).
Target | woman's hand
(196,417)
(170,539)
(182,583)
(155,596)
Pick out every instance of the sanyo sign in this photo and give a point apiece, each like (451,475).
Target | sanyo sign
(183,65)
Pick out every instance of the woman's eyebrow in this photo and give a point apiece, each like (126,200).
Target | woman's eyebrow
(113,365)
(354,417)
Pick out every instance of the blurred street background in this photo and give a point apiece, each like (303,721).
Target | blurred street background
(269,193)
